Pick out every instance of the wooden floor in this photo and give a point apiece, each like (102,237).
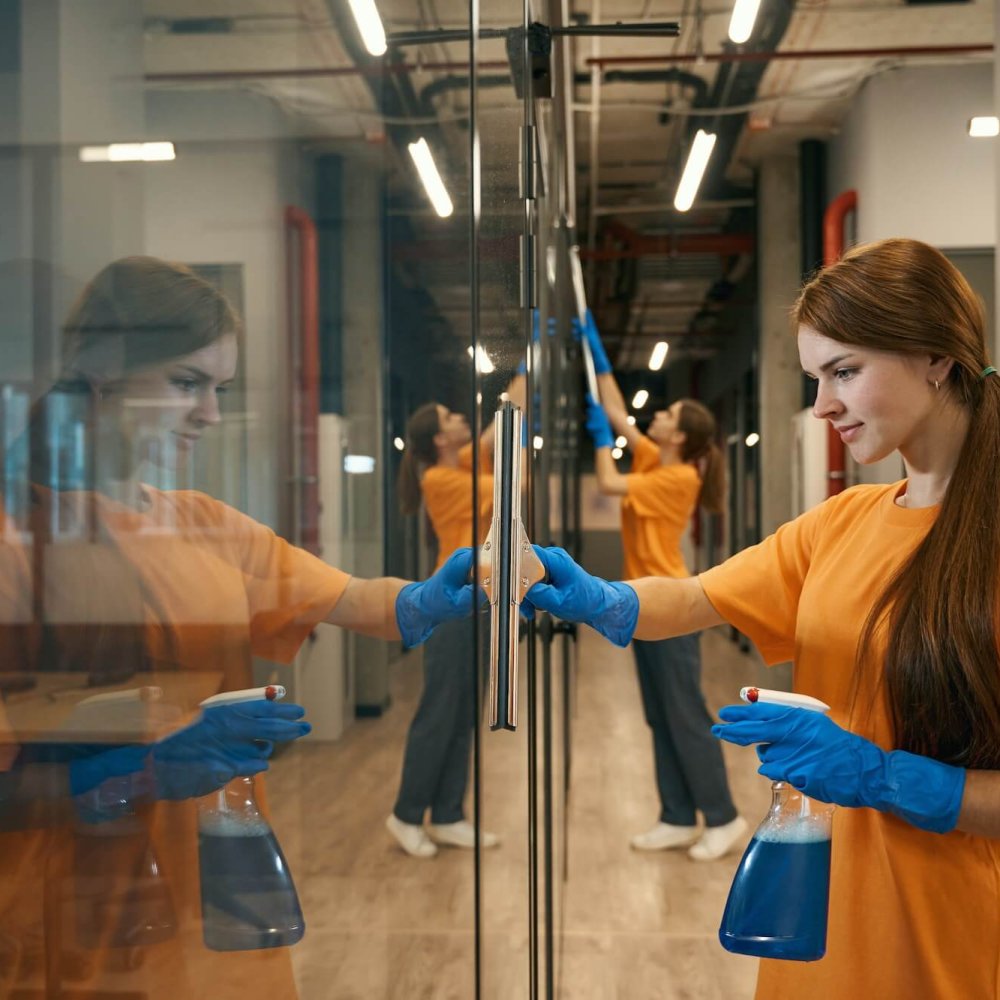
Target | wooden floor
(635,926)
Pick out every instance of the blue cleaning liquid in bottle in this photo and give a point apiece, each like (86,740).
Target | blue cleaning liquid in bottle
(777,906)
(248,898)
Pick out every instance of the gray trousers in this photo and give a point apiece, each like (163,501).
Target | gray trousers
(436,759)
(690,772)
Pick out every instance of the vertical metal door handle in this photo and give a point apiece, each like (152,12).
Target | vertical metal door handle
(508,567)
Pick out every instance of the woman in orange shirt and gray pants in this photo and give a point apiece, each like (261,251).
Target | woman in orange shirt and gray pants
(437,471)
(675,469)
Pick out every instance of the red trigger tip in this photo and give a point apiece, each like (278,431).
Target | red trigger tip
(752,695)
(270,692)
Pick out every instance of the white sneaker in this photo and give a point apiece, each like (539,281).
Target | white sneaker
(461,834)
(717,841)
(411,838)
(663,836)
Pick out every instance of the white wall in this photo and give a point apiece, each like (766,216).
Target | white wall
(904,147)
(222,202)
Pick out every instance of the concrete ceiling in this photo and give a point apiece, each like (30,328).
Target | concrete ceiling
(631,137)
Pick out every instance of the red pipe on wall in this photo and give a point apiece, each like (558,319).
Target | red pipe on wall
(304,264)
(833,246)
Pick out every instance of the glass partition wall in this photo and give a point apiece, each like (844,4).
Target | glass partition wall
(263,288)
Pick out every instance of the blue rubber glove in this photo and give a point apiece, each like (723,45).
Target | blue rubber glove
(819,758)
(225,741)
(598,425)
(602,366)
(444,596)
(572,594)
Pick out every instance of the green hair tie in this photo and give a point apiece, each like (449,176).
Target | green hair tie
(990,370)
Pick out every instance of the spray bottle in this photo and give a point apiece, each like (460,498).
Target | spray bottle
(248,898)
(777,906)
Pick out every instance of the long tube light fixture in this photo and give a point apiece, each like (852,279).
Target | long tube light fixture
(423,159)
(369,25)
(984,126)
(658,356)
(128,152)
(694,169)
(742,21)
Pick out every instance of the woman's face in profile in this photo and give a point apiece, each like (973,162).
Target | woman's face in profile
(158,413)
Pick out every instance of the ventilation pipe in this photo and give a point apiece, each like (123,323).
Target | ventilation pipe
(303,291)
(833,247)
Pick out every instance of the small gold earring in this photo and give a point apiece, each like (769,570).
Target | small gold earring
(937,385)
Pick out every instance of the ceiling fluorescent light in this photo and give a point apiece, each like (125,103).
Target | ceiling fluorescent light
(984,126)
(658,356)
(369,25)
(694,169)
(742,21)
(431,179)
(128,152)
(639,399)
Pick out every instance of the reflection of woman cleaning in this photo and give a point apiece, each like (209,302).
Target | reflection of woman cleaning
(676,468)
(112,577)
(437,467)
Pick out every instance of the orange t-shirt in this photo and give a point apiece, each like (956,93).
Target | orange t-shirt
(210,589)
(913,915)
(655,513)
(448,497)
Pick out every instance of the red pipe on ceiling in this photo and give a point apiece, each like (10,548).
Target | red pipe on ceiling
(833,247)
(501,64)
(638,245)
(780,54)
(303,265)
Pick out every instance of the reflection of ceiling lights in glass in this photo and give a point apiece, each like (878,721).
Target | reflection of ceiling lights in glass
(694,169)
(359,464)
(128,152)
(537,442)
(639,399)
(369,25)
(742,21)
(621,441)
(423,159)
(984,126)
(630,420)
(658,356)
(483,363)
(752,438)
(399,443)
(616,453)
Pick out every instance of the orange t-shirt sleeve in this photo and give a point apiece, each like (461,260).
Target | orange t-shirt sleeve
(664,492)
(757,590)
(645,455)
(289,591)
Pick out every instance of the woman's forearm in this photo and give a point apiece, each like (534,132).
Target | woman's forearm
(980,813)
(669,607)
(369,607)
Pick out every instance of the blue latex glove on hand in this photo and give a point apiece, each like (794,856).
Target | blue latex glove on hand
(572,594)
(225,742)
(444,596)
(602,366)
(598,425)
(819,758)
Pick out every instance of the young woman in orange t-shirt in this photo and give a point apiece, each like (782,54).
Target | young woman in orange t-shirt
(886,598)
(105,579)
(436,475)
(676,469)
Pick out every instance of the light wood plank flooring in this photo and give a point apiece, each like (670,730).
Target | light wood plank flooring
(636,926)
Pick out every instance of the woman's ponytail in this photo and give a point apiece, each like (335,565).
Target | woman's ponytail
(421,430)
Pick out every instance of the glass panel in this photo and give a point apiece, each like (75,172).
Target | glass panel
(232,324)
(508,910)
